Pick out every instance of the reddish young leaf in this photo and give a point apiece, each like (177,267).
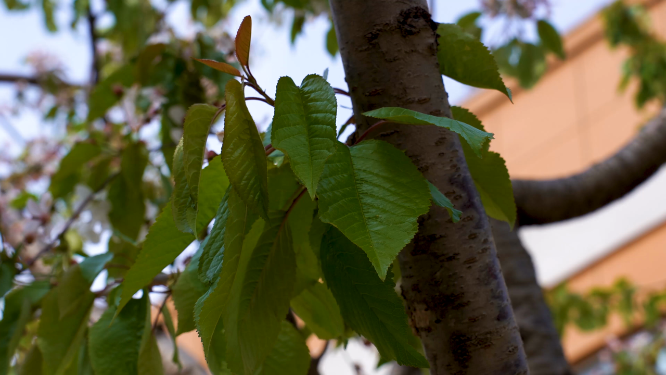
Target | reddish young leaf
(222,67)
(243,38)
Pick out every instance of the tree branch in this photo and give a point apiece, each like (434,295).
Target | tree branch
(96,65)
(16,78)
(549,201)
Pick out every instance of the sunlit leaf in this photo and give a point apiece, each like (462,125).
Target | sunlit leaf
(243,154)
(304,126)
(373,193)
(477,139)
(464,58)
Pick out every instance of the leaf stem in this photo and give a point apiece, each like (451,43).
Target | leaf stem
(373,127)
(341,92)
(269,149)
(257,98)
(157,317)
(259,90)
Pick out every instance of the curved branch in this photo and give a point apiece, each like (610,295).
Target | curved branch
(548,201)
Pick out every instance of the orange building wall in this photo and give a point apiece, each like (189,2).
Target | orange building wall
(574,117)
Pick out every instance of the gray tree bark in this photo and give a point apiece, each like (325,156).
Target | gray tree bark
(456,297)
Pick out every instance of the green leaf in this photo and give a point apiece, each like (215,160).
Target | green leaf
(74,284)
(186,291)
(213,248)
(150,358)
(59,339)
(308,270)
(490,175)
(332,41)
(92,266)
(17,312)
(550,38)
(368,305)
(243,154)
(317,307)
(477,139)
(68,174)
(304,126)
(373,193)
(531,65)
(105,95)
(33,362)
(215,358)
(182,206)
(464,58)
(296,27)
(259,298)
(290,355)
(164,241)
(214,183)
(198,121)
(128,207)
(114,343)
(163,244)
(7,272)
(233,217)
(210,307)
(442,201)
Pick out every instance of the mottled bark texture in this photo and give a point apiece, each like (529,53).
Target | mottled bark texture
(451,280)
(549,201)
(540,338)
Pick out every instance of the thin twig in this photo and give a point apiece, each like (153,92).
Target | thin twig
(258,89)
(373,127)
(71,220)
(19,78)
(341,92)
(96,66)
(259,99)
(157,318)
(269,149)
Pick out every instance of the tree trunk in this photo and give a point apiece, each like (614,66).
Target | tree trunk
(537,329)
(451,280)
